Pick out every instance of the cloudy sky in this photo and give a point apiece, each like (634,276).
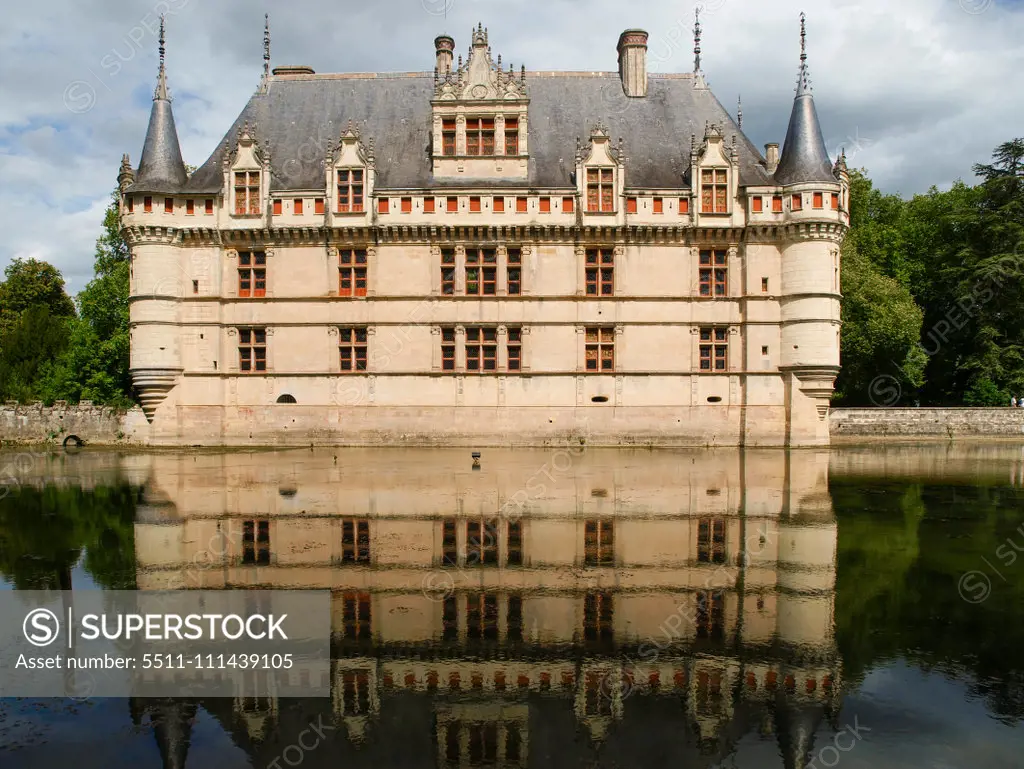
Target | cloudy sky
(917,91)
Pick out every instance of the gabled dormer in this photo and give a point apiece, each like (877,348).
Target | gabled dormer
(714,176)
(247,176)
(480,114)
(600,176)
(350,175)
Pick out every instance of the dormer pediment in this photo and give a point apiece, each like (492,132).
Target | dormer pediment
(247,153)
(600,152)
(714,151)
(480,79)
(350,150)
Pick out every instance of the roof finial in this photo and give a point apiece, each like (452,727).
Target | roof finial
(696,41)
(266,45)
(803,84)
(739,111)
(803,38)
(161,78)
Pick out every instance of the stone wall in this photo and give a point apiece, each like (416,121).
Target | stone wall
(36,423)
(920,423)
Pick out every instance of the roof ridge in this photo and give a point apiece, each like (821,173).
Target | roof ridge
(533,73)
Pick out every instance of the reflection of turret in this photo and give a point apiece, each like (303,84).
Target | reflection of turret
(795,727)
(172,726)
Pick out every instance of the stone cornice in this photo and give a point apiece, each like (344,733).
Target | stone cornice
(630,234)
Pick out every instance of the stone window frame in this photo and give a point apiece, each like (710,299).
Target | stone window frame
(450,351)
(716,186)
(449,269)
(500,116)
(237,333)
(254,201)
(710,270)
(351,185)
(232,265)
(584,340)
(713,341)
(602,184)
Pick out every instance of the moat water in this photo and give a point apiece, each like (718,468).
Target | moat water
(859,607)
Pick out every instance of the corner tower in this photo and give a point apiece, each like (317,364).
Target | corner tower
(156,290)
(810,300)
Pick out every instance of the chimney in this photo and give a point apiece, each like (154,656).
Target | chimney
(771,152)
(633,62)
(444,48)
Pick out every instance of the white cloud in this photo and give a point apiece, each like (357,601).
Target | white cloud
(917,91)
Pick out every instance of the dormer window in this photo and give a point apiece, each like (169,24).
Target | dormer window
(714,191)
(511,136)
(350,190)
(448,137)
(247,192)
(479,116)
(600,190)
(479,136)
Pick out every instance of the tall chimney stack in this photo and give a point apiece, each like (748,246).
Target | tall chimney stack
(771,153)
(444,48)
(632,49)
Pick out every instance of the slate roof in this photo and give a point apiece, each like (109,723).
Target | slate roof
(301,116)
(160,167)
(804,156)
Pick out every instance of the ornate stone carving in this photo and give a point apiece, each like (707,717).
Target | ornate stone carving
(479,79)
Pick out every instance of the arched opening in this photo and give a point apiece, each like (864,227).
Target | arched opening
(286,398)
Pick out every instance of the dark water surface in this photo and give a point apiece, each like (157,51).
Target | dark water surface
(853,608)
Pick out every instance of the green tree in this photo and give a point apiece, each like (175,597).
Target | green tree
(881,321)
(31,283)
(34,339)
(95,364)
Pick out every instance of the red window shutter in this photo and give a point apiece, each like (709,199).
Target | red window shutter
(383,205)
(758,204)
(277,207)
(630,205)
(130,203)
(819,200)
(658,205)
(474,204)
(209,206)
(498,205)
(297,205)
(835,201)
(798,202)
(318,205)
(406,205)
(453,205)
(684,205)
(545,205)
(428,205)
(168,205)
(777,204)
(568,205)
(521,205)
(190,207)
(147,204)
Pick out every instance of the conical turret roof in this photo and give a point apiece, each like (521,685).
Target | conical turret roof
(161,168)
(804,157)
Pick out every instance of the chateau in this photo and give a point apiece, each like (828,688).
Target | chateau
(486,255)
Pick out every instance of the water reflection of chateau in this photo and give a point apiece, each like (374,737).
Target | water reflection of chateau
(654,607)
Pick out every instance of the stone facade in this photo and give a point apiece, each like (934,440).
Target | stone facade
(427,259)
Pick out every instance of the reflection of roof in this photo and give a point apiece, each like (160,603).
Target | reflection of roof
(654,730)
(301,116)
